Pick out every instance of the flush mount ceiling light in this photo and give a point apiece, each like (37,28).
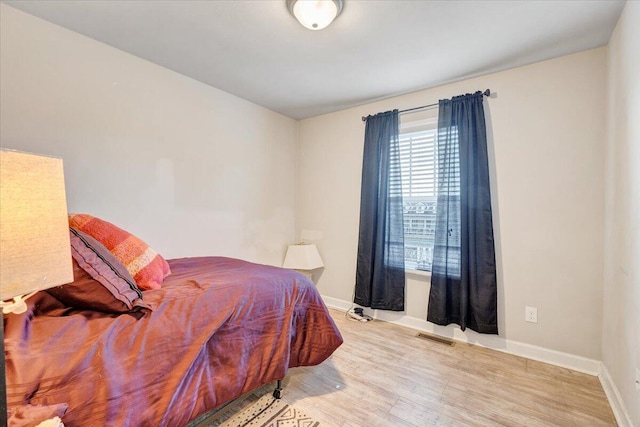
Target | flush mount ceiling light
(315,14)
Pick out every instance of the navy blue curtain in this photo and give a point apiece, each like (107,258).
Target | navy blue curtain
(380,279)
(463,277)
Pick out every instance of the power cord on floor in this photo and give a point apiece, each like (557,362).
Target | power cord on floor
(356,313)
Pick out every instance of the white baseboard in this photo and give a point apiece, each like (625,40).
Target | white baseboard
(615,400)
(541,354)
(336,303)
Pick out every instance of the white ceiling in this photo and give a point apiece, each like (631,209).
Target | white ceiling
(375,49)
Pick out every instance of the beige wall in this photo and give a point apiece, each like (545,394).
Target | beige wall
(189,168)
(546,136)
(621,334)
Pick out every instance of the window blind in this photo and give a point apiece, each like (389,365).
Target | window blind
(418,163)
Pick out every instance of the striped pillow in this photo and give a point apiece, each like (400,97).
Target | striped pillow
(144,264)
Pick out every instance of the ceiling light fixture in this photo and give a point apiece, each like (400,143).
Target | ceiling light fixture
(315,14)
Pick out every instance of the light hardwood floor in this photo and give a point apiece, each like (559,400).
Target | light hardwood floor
(383,375)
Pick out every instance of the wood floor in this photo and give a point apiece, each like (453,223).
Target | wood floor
(383,375)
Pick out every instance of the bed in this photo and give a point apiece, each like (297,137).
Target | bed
(216,329)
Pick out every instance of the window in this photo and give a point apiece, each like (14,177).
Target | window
(418,161)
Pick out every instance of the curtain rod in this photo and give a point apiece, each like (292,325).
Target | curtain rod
(423,107)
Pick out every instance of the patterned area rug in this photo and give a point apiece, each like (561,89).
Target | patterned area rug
(270,412)
(256,409)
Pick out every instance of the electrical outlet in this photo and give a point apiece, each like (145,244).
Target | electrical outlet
(638,379)
(531,314)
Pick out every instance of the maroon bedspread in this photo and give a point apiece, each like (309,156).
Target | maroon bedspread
(220,328)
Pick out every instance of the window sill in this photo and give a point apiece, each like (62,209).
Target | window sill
(421,274)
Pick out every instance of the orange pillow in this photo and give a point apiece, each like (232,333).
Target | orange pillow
(144,264)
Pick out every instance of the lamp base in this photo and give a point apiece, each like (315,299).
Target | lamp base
(3,386)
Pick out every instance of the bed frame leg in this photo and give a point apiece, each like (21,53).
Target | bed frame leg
(277,393)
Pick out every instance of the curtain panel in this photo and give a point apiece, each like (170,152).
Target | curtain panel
(380,277)
(463,277)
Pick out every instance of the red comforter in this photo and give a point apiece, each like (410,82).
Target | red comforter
(220,327)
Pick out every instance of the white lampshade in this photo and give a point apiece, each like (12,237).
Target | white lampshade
(315,14)
(302,257)
(35,252)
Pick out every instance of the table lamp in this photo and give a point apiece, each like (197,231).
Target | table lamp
(303,258)
(35,252)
